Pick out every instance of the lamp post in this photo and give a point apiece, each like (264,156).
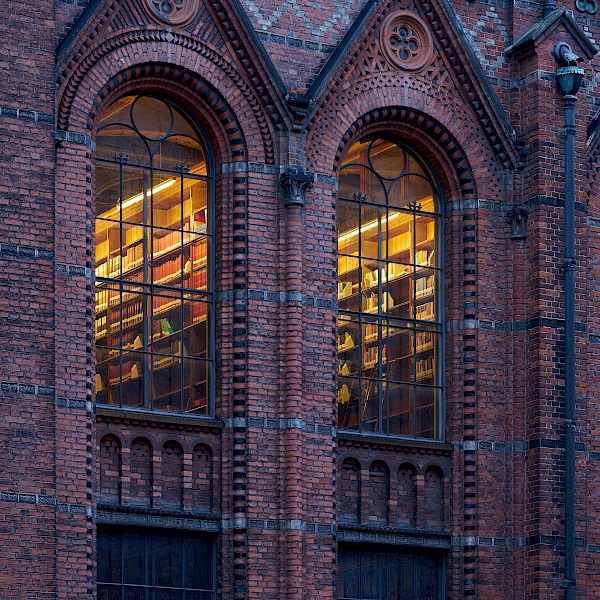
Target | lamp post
(569,77)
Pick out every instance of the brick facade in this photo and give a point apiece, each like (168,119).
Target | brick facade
(268,475)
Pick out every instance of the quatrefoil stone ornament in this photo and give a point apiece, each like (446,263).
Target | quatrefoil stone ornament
(175,13)
(406,41)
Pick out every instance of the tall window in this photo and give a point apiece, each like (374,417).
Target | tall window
(389,575)
(154,565)
(389,274)
(153,259)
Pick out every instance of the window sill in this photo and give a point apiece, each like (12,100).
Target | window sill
(128,415)
(433,446)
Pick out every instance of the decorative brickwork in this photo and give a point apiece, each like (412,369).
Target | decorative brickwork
(407,495)
(202,480)
(172,476)
(349,492)
(141,473)
(110,470)
(268,478)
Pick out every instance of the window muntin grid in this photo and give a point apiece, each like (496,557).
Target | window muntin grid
(151,565)
(389,575)
(153,260)
(389,274)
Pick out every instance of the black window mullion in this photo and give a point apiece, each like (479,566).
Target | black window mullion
(380,292)
(414,317)
(361,391)
(182,295)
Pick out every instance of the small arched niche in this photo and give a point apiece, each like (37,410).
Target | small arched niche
(110,470)
(349,492)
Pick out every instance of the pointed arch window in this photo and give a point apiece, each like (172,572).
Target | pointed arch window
(389,293)
(154,285)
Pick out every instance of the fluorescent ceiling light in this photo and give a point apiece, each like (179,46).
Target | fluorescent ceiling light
(366,227)
(154,190)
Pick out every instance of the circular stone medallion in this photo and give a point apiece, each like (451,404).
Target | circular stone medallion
(406,41)
(175,13)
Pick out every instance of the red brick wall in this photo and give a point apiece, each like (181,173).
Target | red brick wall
(264,470)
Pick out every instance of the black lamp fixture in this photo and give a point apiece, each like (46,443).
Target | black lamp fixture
(568,75)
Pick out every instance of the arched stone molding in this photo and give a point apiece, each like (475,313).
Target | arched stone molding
(178,59)
(433,464)
(113,431)
(443,135)
(201,101)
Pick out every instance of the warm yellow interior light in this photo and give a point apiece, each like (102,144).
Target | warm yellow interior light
(367,227)
(158,188)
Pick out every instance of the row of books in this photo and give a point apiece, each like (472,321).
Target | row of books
(372,332)
(424,286)
(345,342)
(424,368)
(101,330)
(370,356)
(370,302)
(101,300)
(424,341)
(130,370)
(344,289)
(131,314)
(197,222)
(424,311)
(134,258)
(170,270)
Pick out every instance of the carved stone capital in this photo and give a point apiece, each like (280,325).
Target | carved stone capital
(295,182)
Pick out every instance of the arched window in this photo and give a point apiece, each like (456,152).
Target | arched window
(389,298)
(153,259)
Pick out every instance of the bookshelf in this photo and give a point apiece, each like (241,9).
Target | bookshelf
(152,302)
(387,330)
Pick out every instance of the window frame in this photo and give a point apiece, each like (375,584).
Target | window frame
(211,275)
(440,557)
(149,535)
(440,214)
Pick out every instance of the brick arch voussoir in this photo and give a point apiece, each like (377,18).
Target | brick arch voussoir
(194,95)
(448,135)
(176,52)
(426,135)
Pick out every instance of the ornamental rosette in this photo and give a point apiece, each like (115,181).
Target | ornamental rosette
(406,41)
(174,13)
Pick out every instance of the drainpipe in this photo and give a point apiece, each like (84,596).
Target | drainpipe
(569,77)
